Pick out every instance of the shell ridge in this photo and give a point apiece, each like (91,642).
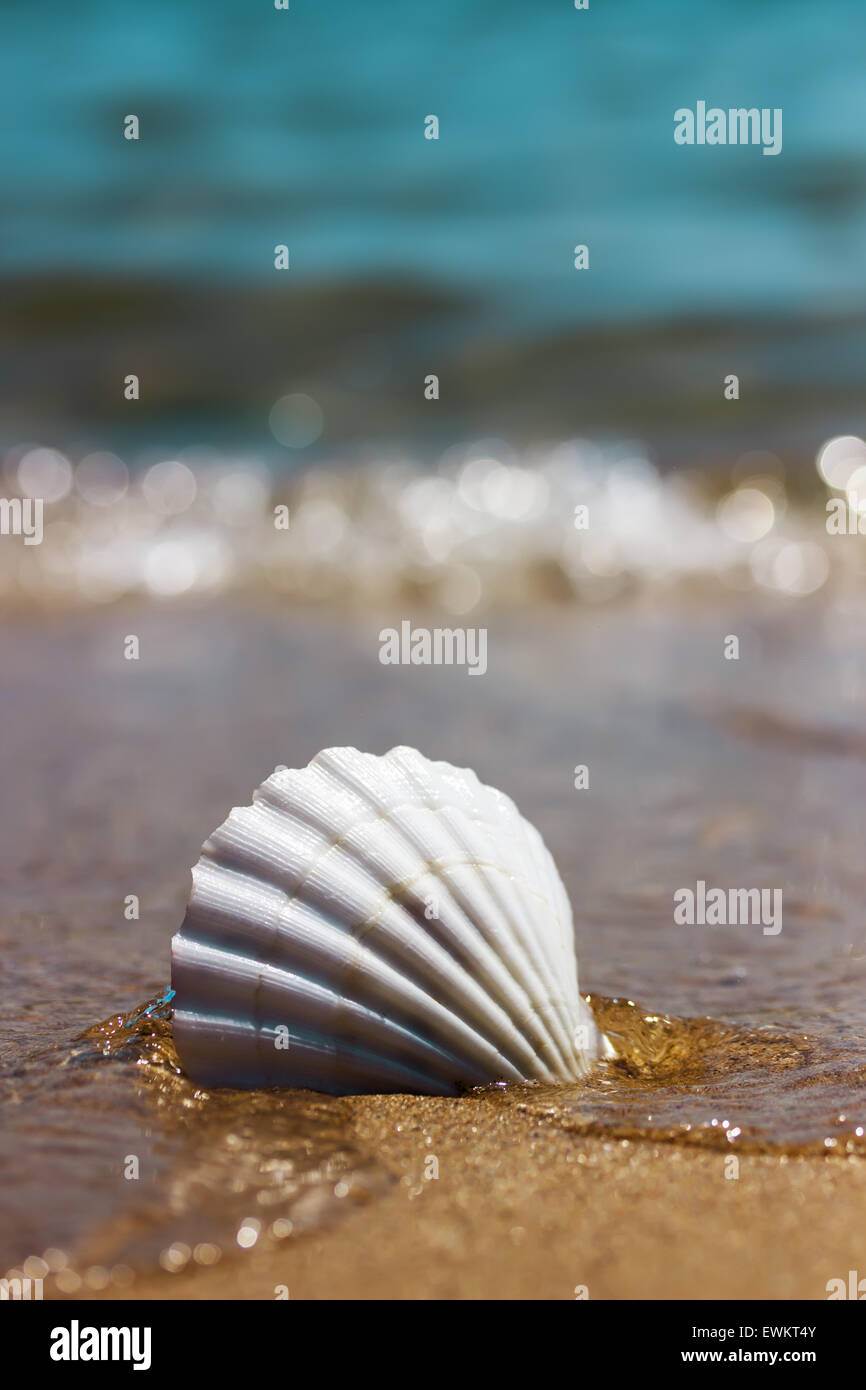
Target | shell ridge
(554,1041)
(553,1033)
(373,1072)
(559,963)
(309,911)
(386,813)
(517,1011)
(318,1007)
(288,943)
(415,769)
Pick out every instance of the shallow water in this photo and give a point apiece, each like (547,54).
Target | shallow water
(742,774)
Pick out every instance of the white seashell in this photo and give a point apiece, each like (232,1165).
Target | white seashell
(378,924)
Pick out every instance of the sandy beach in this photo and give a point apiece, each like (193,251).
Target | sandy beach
(523,1211)
(623,1184)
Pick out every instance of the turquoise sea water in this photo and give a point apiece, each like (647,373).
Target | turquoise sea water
(305,127)
(556,127)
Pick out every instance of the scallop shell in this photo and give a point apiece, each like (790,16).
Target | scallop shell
(377,924)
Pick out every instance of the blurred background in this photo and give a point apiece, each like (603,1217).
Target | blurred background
(412,257)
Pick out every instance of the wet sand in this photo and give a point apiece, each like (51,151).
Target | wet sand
(533,1191)
(521,1210)
(115,774)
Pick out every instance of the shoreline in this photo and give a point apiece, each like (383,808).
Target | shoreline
(698,770)
(529,1211)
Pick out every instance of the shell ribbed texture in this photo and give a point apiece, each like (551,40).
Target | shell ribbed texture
(375,924)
